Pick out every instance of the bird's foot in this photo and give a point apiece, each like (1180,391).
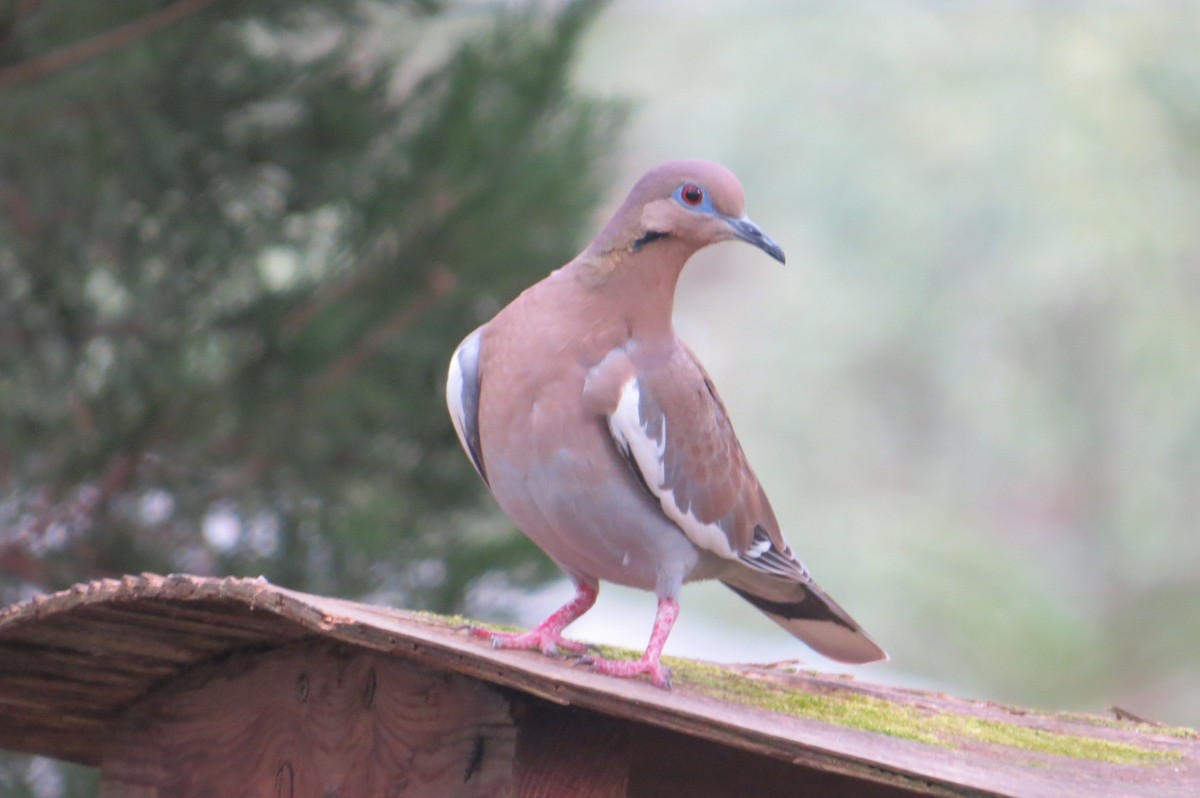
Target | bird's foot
(548,641)
(659,674)
(547,637)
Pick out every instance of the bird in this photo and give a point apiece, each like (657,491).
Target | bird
(603,438)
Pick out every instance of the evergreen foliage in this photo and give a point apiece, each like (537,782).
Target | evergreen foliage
(238,244)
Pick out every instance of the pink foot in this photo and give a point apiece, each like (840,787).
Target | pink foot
(629,669)
(545,640)
(547,637)
(668,611)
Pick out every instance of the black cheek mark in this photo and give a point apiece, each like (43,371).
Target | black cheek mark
(650,237)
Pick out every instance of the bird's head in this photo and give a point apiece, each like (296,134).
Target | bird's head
(698,202)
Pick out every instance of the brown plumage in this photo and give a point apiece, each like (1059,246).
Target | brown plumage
(604,440)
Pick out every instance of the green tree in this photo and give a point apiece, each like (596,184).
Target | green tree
(238,244)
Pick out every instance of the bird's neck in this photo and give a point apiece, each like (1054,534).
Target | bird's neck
(636,281)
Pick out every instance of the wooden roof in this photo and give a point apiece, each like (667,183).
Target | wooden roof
(72,661)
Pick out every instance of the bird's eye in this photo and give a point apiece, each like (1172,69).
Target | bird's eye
(692,194)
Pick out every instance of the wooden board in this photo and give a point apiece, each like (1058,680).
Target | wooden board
(71,662)
(309,720)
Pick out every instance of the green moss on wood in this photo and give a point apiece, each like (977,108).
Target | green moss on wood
(1179,732)
(455,622)
(856,710)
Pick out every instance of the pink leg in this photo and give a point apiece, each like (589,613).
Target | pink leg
(547,637)
(668,611)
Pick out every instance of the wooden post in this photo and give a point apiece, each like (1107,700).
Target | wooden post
(313,720)
(569,753)
(205,688)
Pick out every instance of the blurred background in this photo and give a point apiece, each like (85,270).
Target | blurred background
(238,241)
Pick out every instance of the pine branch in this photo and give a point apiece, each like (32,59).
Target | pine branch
(79,52)
(440,282)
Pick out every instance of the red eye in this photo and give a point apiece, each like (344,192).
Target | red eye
(692,194)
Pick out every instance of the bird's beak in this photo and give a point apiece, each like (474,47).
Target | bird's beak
(749,232)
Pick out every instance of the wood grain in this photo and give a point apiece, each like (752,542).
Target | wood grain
(314,720)
(567,753)
(73,663)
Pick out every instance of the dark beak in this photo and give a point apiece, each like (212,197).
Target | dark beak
(749,232)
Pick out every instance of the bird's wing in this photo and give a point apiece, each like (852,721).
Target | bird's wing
(671,426)
(462,396)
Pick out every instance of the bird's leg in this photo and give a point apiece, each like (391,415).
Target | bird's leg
(668,611)
(547,636)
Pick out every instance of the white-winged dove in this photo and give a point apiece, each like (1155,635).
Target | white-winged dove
(604,440)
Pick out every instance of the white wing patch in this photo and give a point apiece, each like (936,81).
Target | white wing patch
(633,437)
(454,400)
(761,555)
(759,547)
(463,403)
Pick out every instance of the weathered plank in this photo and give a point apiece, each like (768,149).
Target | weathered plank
(922,742)
(566,753)
(310,720)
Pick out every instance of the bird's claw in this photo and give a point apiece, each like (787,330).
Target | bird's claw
(545,641)
(660,675)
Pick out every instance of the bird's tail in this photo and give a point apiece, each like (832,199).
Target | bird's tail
(804,610)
